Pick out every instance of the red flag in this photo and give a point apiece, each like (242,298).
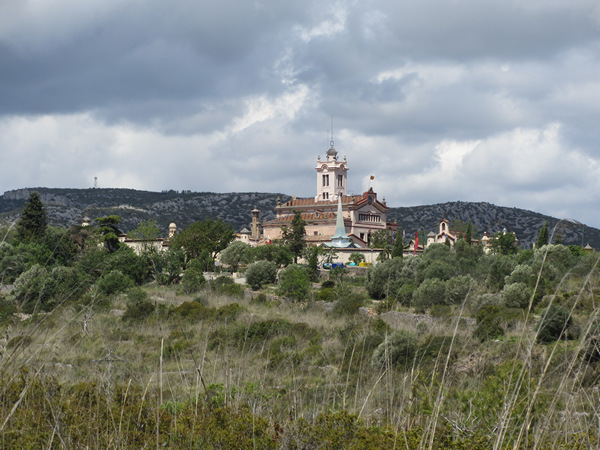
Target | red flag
(416,242)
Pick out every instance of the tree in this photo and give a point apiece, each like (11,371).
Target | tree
(279,254)
(398,247)
(210,236)
(235,254)
(469,233)
(382,239)
(542,238)
(294,282)
(294,235)
(260,273)
(505,243)
(33,222)
(147,230)
(356,258)
(313,263)
(109,232)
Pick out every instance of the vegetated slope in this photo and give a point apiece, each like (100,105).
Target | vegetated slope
(492,218)
(66,207)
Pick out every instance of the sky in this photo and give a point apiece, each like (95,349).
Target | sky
(470,100)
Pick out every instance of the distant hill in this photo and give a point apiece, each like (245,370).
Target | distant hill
(66,207)
(492,218)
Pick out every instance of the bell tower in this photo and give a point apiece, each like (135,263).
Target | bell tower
(332,180)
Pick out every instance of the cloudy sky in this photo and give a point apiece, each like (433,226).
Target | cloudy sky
(470,100)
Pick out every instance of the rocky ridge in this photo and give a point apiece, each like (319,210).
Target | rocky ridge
(66,207)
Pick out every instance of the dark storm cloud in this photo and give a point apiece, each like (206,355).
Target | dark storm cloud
(463,100)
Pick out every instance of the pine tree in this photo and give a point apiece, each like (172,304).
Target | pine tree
(542,236)
(33,222)
(398,248)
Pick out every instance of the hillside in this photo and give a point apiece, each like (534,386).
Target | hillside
(492,218)
(67,207)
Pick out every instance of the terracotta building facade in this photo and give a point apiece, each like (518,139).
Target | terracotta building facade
(362,214)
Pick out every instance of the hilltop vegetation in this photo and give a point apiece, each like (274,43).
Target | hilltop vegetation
(106,348)
(67,207)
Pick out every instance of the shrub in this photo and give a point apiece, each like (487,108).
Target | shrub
(405,293)
(7,309)
(326,284)
(431,292)
(488,323)
(127,261)
(193,280)
(260,273)
(499,267)
(385,278)
(556,323)
(457,289)
(265,329)
(194,311)
(348,304)
(114,282)
(34,289)
(397,350)
(522,274)
(138,310)
(228,313)
(294,282)
(484,300)
(326,295)
(516,295)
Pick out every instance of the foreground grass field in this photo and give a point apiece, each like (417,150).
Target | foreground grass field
(232,368)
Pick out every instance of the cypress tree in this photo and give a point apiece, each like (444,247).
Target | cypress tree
(469,233)
(294,236)
(33,222)
(542,236)
(398,248)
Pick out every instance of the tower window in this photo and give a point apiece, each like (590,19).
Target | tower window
(325,195)
(340,180)
(325,180)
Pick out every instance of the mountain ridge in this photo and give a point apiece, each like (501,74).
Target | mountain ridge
(68,206)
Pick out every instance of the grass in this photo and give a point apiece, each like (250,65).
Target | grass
(293,375)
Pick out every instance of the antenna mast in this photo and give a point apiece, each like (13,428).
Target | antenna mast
(331,131)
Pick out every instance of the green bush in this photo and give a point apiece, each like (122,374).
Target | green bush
(458,288)
(405,293)
(397,350)
(260,273)
(326,295)
(516,295)
(114,282)
(348,304)
(489,323)
(556,323)
(193,280)
(431,292)
(384,279)
(294,282)
(34,289)
(263,330)
(138,310)
(327,284)
(7,309)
